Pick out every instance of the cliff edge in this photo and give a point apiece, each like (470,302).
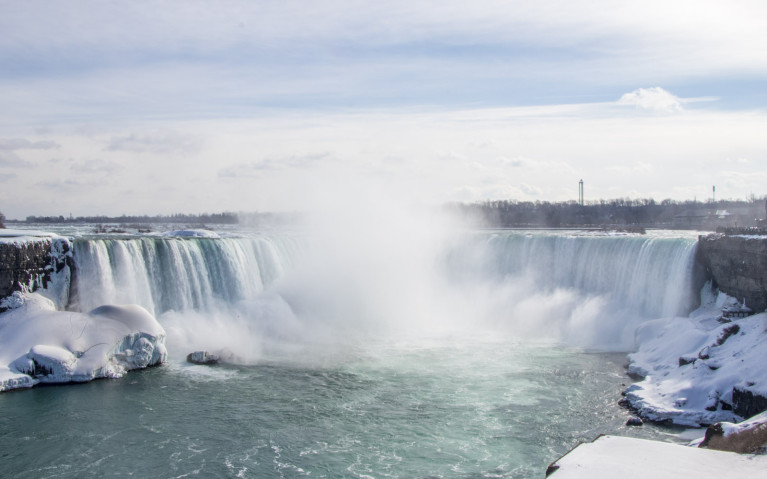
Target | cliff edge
(29,262)
(738,266)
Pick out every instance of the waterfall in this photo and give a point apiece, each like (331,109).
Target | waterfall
(587,290)
(653,275)
(166,273)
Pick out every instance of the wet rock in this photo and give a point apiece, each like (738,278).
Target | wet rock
(634,421)
(203,357)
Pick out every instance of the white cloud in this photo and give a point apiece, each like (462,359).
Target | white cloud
(302,156)
(13,144)
(161,142)
(9,146)
(531,190)
(517,162)
(97,167)
(256,169)
(653,99)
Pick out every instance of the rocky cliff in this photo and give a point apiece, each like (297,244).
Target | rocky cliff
(738,266)
(28,265)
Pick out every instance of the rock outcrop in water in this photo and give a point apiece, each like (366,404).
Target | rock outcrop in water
(203,357)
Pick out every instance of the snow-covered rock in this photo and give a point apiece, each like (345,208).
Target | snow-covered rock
(691,366)
(41,345)
(746,437)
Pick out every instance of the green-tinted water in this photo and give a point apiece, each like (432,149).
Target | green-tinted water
(443,408)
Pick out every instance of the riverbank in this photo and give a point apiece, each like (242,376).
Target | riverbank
(701,369)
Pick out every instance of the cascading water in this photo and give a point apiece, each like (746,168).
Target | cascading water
(164,274)
(650,274)
(584,290)
(587,290)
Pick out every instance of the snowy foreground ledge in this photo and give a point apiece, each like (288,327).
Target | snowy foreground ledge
(41,345)
(612,457)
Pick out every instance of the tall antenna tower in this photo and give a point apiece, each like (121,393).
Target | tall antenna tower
(713,190)
(580,192)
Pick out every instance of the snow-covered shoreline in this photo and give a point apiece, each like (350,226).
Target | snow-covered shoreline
(696,370)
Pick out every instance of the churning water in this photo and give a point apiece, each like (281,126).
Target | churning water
(483,356)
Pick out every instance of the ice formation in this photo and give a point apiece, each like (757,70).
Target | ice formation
(41,345)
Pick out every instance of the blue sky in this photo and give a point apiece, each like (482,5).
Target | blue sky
(154,107)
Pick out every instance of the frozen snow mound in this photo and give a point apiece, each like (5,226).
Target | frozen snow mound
(41,345)
(697,371)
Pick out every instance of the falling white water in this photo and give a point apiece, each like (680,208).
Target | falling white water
(584,290)
(282,292)
(176,274)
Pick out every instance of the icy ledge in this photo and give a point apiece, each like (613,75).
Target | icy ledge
(697,371)
(41,345)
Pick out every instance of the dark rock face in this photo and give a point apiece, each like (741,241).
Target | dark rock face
(746,403)
(738,265)
(27,266)
(23,265)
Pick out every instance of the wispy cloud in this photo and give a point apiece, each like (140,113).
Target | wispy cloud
(258,168)
(10,146)
(13,144)
(161,142)
(98,167)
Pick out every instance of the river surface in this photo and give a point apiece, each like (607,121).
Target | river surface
(441,408)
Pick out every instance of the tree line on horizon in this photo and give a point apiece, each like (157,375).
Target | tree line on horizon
(619,212)
(644,212)
(227,218)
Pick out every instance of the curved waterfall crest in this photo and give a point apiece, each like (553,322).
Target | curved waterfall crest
(164,274)
(652,274)
(589,290)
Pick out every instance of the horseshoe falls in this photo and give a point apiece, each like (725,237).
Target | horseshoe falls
(383,353)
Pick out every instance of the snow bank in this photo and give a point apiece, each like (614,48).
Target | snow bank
(627,458)
(41,345)
(23,236)
(690,366)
